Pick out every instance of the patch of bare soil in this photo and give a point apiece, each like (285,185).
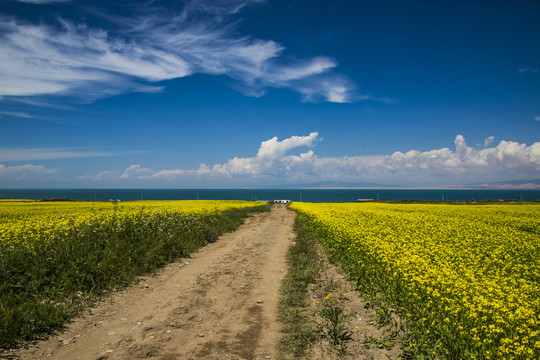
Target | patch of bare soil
(219,304)
(368,339)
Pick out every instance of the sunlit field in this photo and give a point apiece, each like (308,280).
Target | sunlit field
(55,256)
(464,279)
(29,221)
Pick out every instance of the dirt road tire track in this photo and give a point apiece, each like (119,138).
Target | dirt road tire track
(219,304)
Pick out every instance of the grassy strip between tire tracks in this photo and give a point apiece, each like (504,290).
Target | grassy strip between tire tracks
(43,286)
(303,266)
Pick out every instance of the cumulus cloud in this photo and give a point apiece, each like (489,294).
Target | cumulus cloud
(70,58)
(271,160)
(508,158)
(443,166)
(134,170)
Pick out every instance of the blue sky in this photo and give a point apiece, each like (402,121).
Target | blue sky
(253,93)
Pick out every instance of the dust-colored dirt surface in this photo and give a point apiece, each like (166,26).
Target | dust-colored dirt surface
(219,304)
(369,340)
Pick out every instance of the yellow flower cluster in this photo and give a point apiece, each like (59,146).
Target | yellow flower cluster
(465,277)
(27,221)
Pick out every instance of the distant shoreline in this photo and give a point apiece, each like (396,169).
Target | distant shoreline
(491,187)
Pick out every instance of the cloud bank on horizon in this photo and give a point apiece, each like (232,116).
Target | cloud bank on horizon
(73,59)
(273,165)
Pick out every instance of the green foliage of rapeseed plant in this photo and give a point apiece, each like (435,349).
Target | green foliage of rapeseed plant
(333,327)
(55,258)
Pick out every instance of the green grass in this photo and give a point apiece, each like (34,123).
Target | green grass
(333,326)
(43,286)
(297,328)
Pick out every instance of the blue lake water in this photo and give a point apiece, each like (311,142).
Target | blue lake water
(330,195)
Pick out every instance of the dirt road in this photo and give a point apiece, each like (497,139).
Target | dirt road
(219,304)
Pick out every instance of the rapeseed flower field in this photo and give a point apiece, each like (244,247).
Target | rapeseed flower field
(55,256)
(30,222)
(464,279)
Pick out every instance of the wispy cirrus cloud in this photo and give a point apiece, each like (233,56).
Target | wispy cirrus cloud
(527,70)
(37,60)
(69,58)
(41,1)
(272,163)
(39,154)
(18,114)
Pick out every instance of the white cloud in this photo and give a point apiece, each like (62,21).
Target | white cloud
(337,94)
(74,59)
(134,170)
(330,87)
(525,70)
(537,118)
(47,154)
(16,114)
(506,159)
(16,101)
(270,159)
(274,148)
(41,1)
(22,172)
(37,59)
(414,168)
(488,140)
(170,173)
(103,175)
(314,66)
